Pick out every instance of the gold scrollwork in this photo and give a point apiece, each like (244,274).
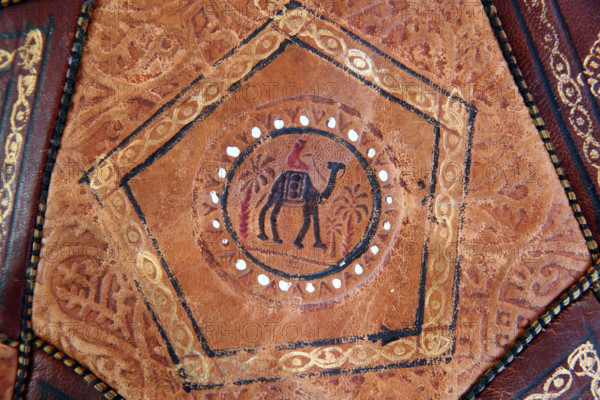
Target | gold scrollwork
(29,56)
(6,58)
(445,209)
(214,88)
(567,86)
(148,270)
(582,362)
(360,354)
(432,342)
(454,113)
(591,67)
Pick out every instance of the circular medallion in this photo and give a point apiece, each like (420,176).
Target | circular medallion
(312,173)
(296,210)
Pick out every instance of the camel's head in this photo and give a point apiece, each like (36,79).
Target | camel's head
(336,166)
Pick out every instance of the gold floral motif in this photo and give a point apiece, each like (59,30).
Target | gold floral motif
(583,362)
(27,56)
(148,271)
(568,87)
(445,209)
(591,67)
(336,356)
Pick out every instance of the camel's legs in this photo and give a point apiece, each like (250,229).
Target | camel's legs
(274,213)
(317,231)
(261,217)
(306,214)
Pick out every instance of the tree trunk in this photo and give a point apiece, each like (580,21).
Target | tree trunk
(245,214)
(348,235)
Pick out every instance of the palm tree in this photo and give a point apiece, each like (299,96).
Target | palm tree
(258,174)
(350,206)
(333,228)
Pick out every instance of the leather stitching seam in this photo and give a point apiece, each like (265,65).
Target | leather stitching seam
(26,335)
(592,275)
(5,3)
(87,375)
(5,339)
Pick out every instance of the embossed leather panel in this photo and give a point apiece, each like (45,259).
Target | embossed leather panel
(556,45)
(298,201)
(8,366)
(561,363)
(35,41)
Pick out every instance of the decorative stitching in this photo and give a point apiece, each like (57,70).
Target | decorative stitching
(575,292)
(591,276)
(107,391)
(490,9)
(5,3)
(4,339)
(596,290)
(26,326)
(567,87)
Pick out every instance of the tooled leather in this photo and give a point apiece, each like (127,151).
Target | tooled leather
(51,378)
(516,221)
(8,364)
(561,362)
(559,85)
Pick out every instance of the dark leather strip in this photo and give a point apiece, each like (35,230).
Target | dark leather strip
(590,277)
(555,44)
(553,362)
(54,373)
(26,326)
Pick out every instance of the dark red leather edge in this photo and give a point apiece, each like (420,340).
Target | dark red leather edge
(537,54)
(61,17)
(579,324)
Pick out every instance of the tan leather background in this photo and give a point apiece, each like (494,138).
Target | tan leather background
(8,363)
(520,245)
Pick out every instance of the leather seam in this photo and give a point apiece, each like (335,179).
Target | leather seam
(6,3)
(502,39)
(26,335)
(5,339)
(575,292)
(592,275)
(107,391)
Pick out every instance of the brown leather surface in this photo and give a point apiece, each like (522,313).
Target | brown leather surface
(52,379)
(30,140)
(556,44)
(562,362)
(445,233)
(582,20)
(8,366)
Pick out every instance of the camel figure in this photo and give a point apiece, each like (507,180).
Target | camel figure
(296,187)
